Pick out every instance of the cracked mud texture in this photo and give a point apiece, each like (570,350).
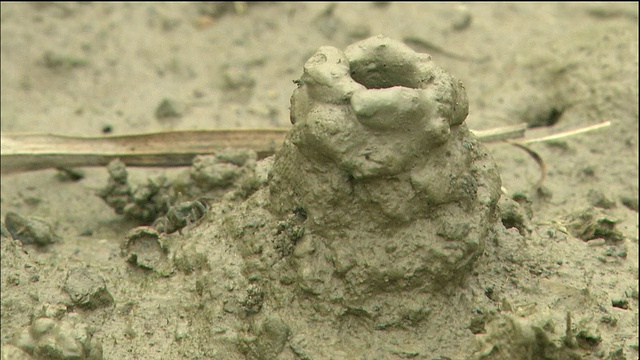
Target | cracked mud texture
(231,289)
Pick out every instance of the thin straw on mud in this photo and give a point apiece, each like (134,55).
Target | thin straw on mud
(423,45)
(25,152)
(501,133)
(565,134)
(539,161)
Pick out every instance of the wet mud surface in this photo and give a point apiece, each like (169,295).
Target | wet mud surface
(365,237)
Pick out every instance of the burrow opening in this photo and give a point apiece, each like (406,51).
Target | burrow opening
(381,75)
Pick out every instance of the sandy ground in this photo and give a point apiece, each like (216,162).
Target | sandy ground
(92,68)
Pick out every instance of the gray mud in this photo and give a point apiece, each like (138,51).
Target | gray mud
(383,229)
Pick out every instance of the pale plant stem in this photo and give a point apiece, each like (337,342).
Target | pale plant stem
(25,152)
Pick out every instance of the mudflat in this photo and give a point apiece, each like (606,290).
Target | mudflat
(381,230)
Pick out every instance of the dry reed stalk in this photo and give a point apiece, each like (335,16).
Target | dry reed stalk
(522,144)
(25,152)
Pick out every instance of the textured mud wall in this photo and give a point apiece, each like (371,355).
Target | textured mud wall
(397,193)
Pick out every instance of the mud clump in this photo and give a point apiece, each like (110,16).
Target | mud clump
(397,193)
(30,230)
(145,248)
(229,174)
(144,203)
(377,206)
(87,289)
(514,338)
(66,338)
